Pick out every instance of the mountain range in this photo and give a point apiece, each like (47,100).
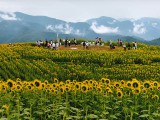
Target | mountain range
(20,27)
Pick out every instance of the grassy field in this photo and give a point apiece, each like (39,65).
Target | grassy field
(73,83)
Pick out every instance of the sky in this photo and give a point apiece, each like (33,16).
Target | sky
(81,10)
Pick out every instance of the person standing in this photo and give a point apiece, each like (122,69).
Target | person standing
(129,46)
(69,43)
(124,46)
(65,43)
(135,45)
(75,42)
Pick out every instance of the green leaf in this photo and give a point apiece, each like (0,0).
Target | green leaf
(92,116)
(130,101)
(113,116)
(108,108)
(144,111)
(156,114)
(105,113)
(39,112)
(144,115)
(77,117)
(1,110)
(3,118)
(74,109)
(136,113)
(69,118)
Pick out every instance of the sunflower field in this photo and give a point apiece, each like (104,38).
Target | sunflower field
(37,83)
(31,62)
(86,100)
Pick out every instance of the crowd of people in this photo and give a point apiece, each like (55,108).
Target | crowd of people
(126,46)
(98,42)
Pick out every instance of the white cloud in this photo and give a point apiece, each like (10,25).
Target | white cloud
(68,29)
(103,29)
(154,24)
(139,28)
(8,16)
(64,28)
(112,22)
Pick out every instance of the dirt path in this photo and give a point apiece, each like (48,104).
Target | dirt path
(80,47)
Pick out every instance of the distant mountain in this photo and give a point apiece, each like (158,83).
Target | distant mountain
(17,27)
(146,28)
(154,42)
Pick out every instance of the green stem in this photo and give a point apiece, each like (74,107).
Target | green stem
(131,115)
(18,104)
(30,112)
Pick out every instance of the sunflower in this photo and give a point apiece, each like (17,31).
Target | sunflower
(144,90)
(95,83)
(129,84)
(46,82)
(105,94)
(44,85)
(155,97)
(68,81)
(108,81)
(155,84)
(61,84)
(0,86)
(99,89)
(38,84)
(4,87)
(52,91)
(62,89)
(116,84)
(85,82)
(122,82)
(127,92)
(74,81)
(18,87)
(90,88)
(110,91)
(77,86)
(18,81)
(6,107)
(136,91)
(31,83)
(67,87)
(119,94)
(54,86)
(29,87)
(103,80)
(10,83)
(55,80)
(135,83)
(100,84)
(147,84)
(91,82)
(84,88)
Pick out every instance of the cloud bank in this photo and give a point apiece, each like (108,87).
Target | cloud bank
(139,28)
(103,29)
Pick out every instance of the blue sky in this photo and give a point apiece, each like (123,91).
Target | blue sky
(81,10)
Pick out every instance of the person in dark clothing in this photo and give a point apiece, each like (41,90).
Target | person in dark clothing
(129,46)
(65,43)
(84,45)
(46,43)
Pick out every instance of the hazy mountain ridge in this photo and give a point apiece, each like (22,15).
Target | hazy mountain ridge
(16,27)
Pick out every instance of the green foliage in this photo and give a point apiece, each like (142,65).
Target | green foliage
(28,62)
